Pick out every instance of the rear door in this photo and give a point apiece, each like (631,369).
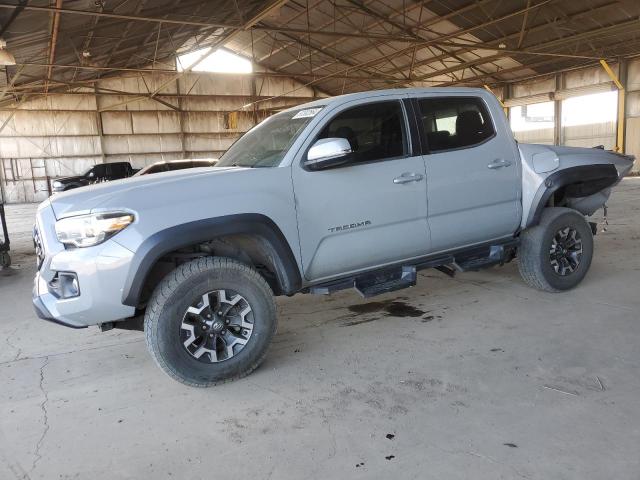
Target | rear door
(372,210)
(473,170)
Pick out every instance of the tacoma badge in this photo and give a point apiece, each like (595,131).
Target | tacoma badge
(350,226)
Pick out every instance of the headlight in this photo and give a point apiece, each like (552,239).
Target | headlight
(57,184)
(93,229)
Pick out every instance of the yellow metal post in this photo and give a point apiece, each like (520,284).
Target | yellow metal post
(621,106)
(506,110)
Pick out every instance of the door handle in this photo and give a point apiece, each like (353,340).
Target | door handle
(499,163)
(408,177)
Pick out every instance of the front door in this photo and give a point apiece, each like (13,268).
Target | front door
(370,211)
(473,171)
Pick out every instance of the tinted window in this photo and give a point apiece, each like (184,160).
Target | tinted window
(161,167)
(179,165)
(375,131)
(99,170)
(183,165)
(454,122)
(118,169)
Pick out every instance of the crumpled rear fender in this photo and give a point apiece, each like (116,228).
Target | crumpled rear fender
(584,177)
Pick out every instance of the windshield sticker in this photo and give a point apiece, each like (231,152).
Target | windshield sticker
(308,112)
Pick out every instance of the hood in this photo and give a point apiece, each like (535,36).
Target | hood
(159,185)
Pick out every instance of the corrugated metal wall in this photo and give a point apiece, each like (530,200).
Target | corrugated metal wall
(633,111)
(576,86)
(65,134)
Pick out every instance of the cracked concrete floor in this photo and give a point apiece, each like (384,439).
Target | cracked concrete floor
(473,377)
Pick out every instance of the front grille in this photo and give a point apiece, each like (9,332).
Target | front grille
(37,244)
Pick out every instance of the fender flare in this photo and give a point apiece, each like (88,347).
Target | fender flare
(592,177)
(180,236)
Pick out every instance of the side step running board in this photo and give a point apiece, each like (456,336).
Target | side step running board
(472,264)
(402,276)
(371,285)
(374,283)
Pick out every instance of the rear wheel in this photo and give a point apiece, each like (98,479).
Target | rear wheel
(209,321)
(556,254)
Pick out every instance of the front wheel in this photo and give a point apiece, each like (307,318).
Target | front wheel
(209,321)
(555,255)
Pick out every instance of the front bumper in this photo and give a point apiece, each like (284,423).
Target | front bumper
(45,314)
(101,272)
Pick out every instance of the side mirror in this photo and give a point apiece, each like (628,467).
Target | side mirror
(328,153)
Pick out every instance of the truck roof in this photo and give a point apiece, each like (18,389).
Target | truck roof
(390,91)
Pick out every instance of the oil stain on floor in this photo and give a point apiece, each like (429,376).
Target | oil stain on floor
(388,308)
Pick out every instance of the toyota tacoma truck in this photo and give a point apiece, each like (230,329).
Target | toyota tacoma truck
(358,191)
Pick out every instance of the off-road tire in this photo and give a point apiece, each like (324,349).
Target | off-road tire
(173,296)
(534,250)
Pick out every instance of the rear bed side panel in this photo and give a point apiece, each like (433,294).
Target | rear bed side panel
(546,169)
(589,180)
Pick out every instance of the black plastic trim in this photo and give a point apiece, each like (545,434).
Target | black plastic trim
(187,234)
(416,141)
(424,148)
(433,260)
(580,174)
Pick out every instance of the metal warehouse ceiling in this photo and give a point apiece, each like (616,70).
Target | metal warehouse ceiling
(335,46)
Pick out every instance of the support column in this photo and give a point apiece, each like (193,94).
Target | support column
(99,121)
(181,119)
(623,73)
(3,194)
(557,112)
(505,109)
(254,95)
(621,122)
(506,95)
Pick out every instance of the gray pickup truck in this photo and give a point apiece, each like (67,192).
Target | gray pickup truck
(358,191)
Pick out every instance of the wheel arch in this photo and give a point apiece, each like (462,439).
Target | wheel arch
(267,237)
(575,182)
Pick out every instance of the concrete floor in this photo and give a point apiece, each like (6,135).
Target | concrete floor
(474,377)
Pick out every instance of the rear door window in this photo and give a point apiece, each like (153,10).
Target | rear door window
(451,123)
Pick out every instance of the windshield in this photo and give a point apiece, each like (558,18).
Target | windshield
(266,144)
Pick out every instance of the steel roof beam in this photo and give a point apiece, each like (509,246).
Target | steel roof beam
(536,29)
(140,18)
(54,42)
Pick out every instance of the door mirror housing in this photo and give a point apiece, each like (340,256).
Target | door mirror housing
(328,153)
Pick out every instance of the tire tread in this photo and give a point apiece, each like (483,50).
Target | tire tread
(162,293)
(529,256)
